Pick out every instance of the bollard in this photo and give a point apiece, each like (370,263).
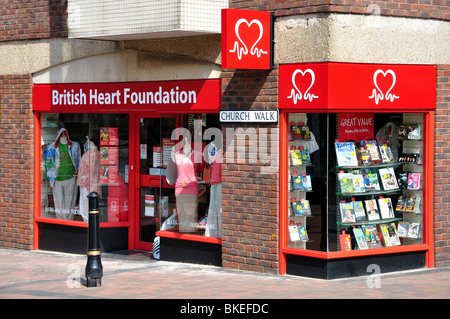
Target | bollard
(94,268)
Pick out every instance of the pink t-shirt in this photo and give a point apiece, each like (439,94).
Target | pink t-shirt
(216,169)
(187,167)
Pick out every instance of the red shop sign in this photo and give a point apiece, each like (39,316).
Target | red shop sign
(166,96)
(247,39)
(354,86)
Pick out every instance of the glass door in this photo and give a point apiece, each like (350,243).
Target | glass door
(155,198)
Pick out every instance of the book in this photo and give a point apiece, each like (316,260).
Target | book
(389,234)
(402,229)
(372,209)
(346,183)
(305,132)
(372,147)
(302,232)
(295,156)
(358,183)
(385,152)
(345,241)
(388,179)
(296,180)
(401,203)
(414,230)
(413,181)
(385,207)
(371,234)
(372,175)
(358,210)
(293,232)
(364,156)
(304,154)
(296,207)
(347,213)
(306,180)
(346,154)
(412,204)
(306,208)
(360,238)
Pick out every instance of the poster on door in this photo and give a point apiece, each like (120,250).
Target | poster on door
(356,126)
(167,145)
(109,136)
(149,205)
(109,155)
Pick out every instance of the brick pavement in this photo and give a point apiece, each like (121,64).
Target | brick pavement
(45,275)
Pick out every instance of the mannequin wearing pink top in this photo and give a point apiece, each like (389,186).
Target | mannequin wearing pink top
(187,164)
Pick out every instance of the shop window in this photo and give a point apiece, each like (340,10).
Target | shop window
(355,180)
(185,159)
(83,153)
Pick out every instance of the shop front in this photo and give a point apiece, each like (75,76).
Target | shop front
(123,141)
(356,168)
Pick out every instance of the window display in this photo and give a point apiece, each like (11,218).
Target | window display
(70,172)
(360,185)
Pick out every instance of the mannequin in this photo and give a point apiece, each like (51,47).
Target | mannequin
(88,176)
(214,158)
(63,178)
(183,171)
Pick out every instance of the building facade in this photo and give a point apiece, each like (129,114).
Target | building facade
(61,62)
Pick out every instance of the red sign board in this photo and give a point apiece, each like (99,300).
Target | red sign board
(356,126)
(247,39)
(355,86)
(167,96)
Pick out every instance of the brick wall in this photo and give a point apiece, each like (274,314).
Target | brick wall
(250,196)
(442,168)
(24,19)
(435,9)
(16,162)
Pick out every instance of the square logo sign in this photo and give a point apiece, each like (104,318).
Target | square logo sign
(247,39)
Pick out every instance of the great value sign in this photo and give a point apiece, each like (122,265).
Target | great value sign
(247,39)
(167,96)
(353,86)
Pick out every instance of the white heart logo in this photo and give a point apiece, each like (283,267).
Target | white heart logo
(379,96)
(296,94)
(243,50)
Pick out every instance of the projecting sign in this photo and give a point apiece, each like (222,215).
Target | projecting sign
(247,39)
(249,116)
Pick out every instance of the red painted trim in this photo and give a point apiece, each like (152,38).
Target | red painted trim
(283,242)
(428,190)
(37,179)
(184,236)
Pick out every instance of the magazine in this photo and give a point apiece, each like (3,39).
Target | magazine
(296,207)
(293,232)
(385,152)
(296,181)
(385,207)
(372,209)
(402,180)
(360,238)
(372,147)
(389,235)
(358,210)
(413,181)
(346,183)
(388,178)
(346,154)
(295,130)
(347,213)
